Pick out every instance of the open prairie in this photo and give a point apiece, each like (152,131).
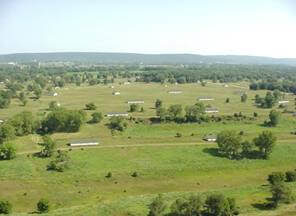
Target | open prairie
(165,163)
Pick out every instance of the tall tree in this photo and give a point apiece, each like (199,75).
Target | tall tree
(229,143)
(265,142)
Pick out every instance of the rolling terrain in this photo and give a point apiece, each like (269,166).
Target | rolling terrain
(165,163)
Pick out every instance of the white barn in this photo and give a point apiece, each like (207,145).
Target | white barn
(116,93)
(210,138)
(175,92)
(83,142)
(211,110)
(205,98)
(111,114)
(136,102)
(283,102)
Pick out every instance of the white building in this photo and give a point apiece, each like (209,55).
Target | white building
(175,92)
(210,138)
(111,114)
(283,102)
(136,102)
(211,110)
(84,142)
(205,98)
(116,93)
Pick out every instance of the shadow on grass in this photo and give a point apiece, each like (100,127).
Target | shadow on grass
(266,206)
(213,151)
(249,155)
(34,212)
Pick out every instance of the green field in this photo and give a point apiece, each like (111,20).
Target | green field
(166,164)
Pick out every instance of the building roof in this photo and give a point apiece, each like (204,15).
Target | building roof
(210,136)
(211,109)
(204,97)
(117,113)
(135,101)
(82,141)
(172,91)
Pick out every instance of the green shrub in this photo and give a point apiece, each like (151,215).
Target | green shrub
(7,152)
(276,177)
(5,207)
(178,135)
(90,106)
(291,176)
(135,174)
(43,206)
(109,175)
(97,117)
(60,163)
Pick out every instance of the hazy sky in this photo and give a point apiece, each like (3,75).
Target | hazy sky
(249,27)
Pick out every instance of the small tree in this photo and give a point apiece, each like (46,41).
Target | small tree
(265,142)
(161,112)
(97,117)
(49,146)
(38,93)
(134,108)
(109,175)
(187,206)
(194,205)
(118,123)
(175,111)
(281,193)
(178,207)
(291,176)
(274,117)
(229,143)
(23,98)
(195,112)
(60,163)
(244,97)
(5,207)
(219,205)
(247,147)
(276,178)
(43,206)
(90,106)
(7,132)
(158,103)
(157,206)
(227,100)
(7,152)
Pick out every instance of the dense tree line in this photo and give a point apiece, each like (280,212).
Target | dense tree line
(284,86)
(194,205)
(231,145)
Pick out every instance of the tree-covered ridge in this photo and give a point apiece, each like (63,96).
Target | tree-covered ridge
(131,58)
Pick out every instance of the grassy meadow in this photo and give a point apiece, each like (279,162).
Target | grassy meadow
(166,164)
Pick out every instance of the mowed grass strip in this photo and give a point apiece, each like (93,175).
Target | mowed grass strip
(161,170)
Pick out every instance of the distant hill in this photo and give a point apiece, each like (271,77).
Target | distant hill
(130,58)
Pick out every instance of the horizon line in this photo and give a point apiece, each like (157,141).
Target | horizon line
(139,53)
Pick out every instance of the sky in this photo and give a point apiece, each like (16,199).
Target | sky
(208,27)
